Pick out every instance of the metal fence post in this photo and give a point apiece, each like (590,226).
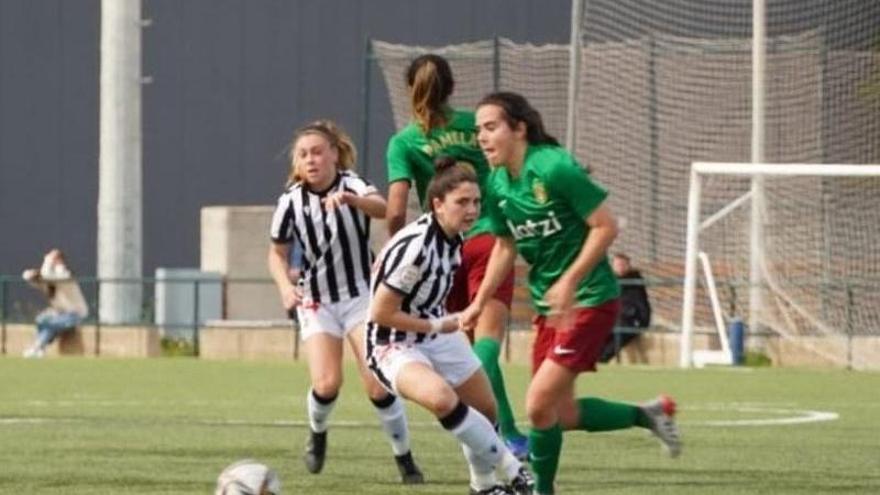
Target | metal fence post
(3,307)
(365,118)
(732,289)
(496,64)
(849,324)
(653,135)
(196,317)
(98,282)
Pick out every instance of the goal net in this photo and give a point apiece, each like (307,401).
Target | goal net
(812,238)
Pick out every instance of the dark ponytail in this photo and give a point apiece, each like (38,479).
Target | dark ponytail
(517,109)
(430,83)
(448,174)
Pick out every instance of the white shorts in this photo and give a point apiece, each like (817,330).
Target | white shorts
(337,319)
(449,354)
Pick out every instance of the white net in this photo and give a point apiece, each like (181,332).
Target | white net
(820,262)
(473,65)
(665,84)
(538,72)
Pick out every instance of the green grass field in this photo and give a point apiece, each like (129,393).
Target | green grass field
(170,425)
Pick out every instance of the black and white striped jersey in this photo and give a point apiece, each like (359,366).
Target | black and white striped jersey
(419,262)
(335,242)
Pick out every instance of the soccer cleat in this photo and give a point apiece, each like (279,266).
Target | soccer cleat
(523,483)
(495,490)
(660,412)
(316,451)
(34,352)
(410,474)
(518,445)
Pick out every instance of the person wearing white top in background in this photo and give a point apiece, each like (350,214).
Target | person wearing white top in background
(67,306)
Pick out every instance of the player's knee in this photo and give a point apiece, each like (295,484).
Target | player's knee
(441,402)
(375,390)
(327,385)
(541,413)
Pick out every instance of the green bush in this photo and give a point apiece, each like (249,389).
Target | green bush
(174,347)
(757,359)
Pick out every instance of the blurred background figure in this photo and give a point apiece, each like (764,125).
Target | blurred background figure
(67,306)
(635,311)
(295,259)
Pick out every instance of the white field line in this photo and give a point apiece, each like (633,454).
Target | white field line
(778,416)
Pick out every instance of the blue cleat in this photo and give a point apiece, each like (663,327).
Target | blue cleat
(518,445)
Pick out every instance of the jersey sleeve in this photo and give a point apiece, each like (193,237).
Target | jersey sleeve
(360,186)
(567,180)
(397,158)
(402,266)
(281,228)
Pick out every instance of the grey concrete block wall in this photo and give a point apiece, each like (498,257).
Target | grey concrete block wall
(235,243)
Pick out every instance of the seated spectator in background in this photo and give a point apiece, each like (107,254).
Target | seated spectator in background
(635,311)
(67,306)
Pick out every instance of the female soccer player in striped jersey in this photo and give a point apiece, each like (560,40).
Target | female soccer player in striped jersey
(326,210)
(413,346)
(545,206)
(439,130)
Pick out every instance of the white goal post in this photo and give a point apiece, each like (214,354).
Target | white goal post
(756,172)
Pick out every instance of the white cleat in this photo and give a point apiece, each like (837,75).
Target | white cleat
(661,413)
(34,352)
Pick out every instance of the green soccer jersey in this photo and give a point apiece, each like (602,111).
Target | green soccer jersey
(411,155)
(545,209)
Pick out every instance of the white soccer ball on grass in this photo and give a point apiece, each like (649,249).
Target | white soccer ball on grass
(248,477)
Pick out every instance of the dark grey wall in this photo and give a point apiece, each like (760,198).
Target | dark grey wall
(48,130)
(231,80)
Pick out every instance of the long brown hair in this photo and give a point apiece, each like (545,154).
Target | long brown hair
(429,78)
(334,135)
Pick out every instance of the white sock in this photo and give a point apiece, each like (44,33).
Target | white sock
(319,412)
(482,448)
(509,466)
(479,480)
(393,419)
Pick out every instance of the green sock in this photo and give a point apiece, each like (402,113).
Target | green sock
(488,350)
(544,448)
(603,415)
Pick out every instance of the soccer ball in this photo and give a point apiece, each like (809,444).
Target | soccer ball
(248,477)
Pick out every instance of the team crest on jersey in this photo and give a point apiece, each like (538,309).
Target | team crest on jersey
(539,191)
(410,276)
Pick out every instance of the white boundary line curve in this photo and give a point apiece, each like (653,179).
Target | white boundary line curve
(789,416)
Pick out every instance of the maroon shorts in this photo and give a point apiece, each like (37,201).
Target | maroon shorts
(578,348)
(474,261)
